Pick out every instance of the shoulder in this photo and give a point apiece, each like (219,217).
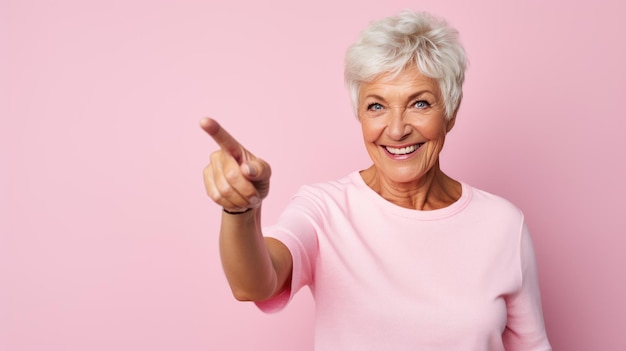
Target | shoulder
(329,199)
(493,204)
(497,220)
(329,189)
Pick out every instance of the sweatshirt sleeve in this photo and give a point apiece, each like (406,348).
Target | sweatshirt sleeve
(525,330)
(297,229)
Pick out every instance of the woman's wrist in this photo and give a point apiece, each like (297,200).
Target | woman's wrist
(237,212)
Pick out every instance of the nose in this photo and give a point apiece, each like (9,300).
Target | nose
(397,127)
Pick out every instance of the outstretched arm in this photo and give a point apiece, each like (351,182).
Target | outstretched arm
(256,268)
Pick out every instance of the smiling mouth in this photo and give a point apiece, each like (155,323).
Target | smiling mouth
(403,150)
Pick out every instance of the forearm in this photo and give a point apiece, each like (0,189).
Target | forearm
(245,257)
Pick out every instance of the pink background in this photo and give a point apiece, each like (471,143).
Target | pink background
(108,241)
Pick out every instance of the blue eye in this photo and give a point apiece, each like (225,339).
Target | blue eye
(421,104)
(374,107)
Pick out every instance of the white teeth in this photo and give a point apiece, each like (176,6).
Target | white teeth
(403,150)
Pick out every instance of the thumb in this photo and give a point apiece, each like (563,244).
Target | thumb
(256,170)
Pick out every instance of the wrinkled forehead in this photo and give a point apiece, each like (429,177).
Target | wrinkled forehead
(409,78)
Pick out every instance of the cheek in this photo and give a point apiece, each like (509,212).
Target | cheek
(371,131)
(433,130)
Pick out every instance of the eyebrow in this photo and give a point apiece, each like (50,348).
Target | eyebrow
(411,97)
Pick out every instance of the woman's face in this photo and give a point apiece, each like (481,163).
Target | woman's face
(403,124)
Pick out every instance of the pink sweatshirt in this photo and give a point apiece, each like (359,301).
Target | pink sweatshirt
(389,278)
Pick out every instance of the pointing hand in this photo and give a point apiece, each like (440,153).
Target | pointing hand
(235,179)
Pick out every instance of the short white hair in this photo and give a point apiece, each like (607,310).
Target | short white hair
(393,43)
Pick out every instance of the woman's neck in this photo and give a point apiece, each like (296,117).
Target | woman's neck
(432,191)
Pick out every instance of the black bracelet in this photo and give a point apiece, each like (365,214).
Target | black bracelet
(237,212)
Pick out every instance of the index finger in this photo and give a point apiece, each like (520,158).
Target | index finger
(221,137)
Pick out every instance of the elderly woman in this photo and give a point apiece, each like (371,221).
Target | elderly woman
(398,256)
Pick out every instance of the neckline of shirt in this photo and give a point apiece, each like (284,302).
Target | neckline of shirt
(389,207)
